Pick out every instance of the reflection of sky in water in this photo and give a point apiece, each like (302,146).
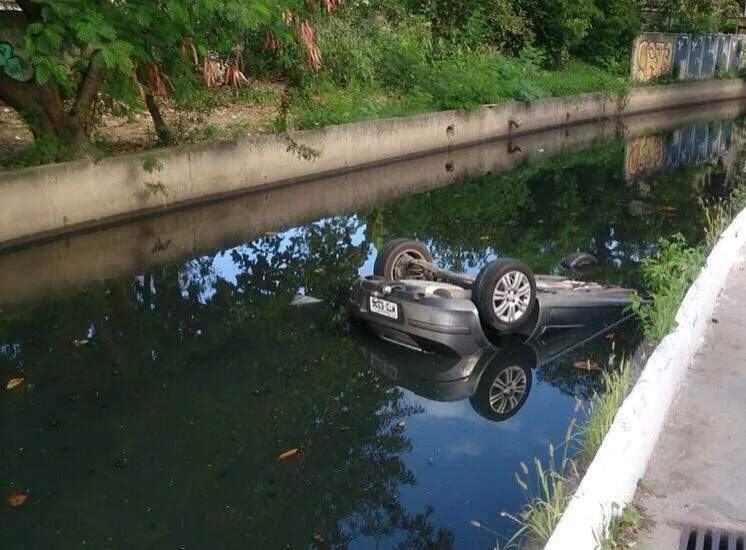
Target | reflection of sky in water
(465,465)
(224,266)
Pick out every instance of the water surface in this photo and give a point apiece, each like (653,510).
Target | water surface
(156,401)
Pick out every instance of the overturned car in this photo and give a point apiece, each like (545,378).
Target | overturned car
(411,302)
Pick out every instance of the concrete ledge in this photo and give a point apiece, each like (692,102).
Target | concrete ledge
(627,448)
(59,198)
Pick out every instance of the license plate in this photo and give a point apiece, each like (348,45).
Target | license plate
(384,307)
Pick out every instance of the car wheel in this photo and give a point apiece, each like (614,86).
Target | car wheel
(505,384)
(391,262)
(505,294)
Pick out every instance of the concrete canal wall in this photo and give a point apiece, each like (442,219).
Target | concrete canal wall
(61,266)
(59,198)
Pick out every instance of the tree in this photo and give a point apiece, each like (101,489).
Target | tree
(692,16)
(133,48)
(559,25)
(614,26)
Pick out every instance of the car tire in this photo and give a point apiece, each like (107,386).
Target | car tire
(392,253)
(505,384)
(505,294)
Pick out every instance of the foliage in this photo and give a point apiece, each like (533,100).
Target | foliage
(691,16)
(560,25)
(547,498)
(472,25)
(602,409)
(624,528)
(132,51)
(668,275)
(614,25)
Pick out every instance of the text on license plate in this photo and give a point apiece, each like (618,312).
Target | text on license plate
(384,307)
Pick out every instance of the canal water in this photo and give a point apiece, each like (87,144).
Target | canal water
(192,402)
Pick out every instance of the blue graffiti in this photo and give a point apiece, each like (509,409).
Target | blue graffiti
(10,63)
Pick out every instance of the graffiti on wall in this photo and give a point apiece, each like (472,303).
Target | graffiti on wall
(10,63)
(644,155)
(685,56)
(653,58)
(688,146)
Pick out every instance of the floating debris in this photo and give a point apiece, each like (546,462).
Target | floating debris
(13,382)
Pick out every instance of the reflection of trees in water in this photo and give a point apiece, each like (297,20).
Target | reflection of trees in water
(541,212)
(165,427)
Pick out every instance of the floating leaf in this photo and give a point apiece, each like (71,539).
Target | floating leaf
(586,365)
(80,342)
(16,499)
(13,382)
(286,454)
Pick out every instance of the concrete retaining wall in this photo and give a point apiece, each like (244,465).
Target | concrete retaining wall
(61,266)
(59,198)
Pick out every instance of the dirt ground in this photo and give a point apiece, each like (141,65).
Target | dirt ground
(135,131)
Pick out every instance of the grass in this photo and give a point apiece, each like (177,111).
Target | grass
(624,529)
(548,496)
(602,410)
(669,273)
(463,82)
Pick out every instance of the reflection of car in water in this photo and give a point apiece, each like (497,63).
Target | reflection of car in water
(413,303)
(496,379)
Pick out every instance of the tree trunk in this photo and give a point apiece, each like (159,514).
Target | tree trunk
(41,107)
(162,130)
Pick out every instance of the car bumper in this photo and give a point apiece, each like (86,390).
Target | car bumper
(411,319)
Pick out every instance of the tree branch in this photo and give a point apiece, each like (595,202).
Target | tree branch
(90,83)
(17,94)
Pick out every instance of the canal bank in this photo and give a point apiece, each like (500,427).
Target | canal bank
(622,461)
(62,198)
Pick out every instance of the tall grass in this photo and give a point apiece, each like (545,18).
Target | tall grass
(669,273)
(602,410)
(548,496)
